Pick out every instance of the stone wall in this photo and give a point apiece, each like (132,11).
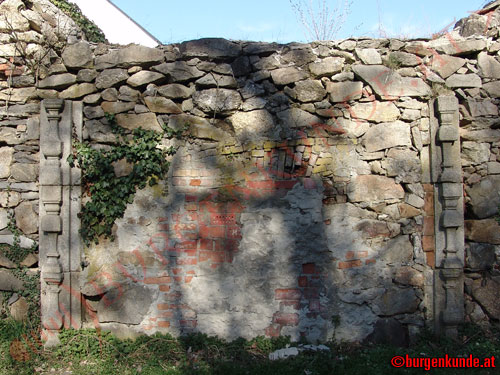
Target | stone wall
(309,198)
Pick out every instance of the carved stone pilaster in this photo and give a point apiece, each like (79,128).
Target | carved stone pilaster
(59,206)
(449,226)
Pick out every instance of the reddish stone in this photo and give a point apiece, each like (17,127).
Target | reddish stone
(291,294)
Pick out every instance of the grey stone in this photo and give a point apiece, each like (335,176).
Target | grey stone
(396,301)
(93,112)
(111,77)
(59,81)
(4,219)
(179,122)
(19,310)
(484,197)
(211,48)
(405,58)
(116,107)
(480,108)
(204,130)
(414,200)
(493,167)
(9,199)
(386,82)
(10,136)
(6,157)
(179,71)
(241,66)
(122,167)
(160,104)
(487,293)
(484,231)
(25,242)
(309,91)
(10,283)
(92,99)
(252,125)
(30,260)
(6,262)
(375,111)
(147,121)
(26,218)
(252,89)
(21,95)
(404,165)
(297,118)
(144,77)
(24,172)
(110,95)
(327,67)
(374,188)
(86,75)
(460,47)
(253,104)
(128,94)
(493,89)
(217,100)
(480,256)
(299,56)
(369,56)
(78,55)
(285,76)
(344,91)
(127,304)
(485,135)
(463,81)
(387,135)
(130,56)
(217,80)
(489,67)
(475,153)
(20,109)
(409,276)
(77,91)
(175,91)
(342,77)
(475,24)
(445,65)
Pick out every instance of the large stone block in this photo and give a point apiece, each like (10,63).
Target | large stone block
(6,156)
(484,197)
(480,256)
(210,47)
(130,56)
(372,188)
(144,77)
(327,67)
(386,82)
(489,66)
(175,91)
(464,81)
(127,304)
(487,293)
(297,118)
(158,104)
(344,91)
(387,135)
(257,124)
(59,81)
(77,91)
(10,283)
(404,165)
(375,111)
(285,76)
(445,65)
(78,55)
(484,231)
(111,77)
(147,121)
(217,100)
(179,71)
(309,91)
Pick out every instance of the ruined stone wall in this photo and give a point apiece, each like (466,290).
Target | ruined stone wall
(306,199)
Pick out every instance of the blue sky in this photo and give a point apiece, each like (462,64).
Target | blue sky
(173,21)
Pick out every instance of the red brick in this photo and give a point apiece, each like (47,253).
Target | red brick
(191,272)
(157,280)
(192,216)
(188,323)
(178,279)
(428,229)
(429,204)
(163,227)
(290,294)
(285,184)
(206,244)
(309,268)
(286,319)
(302,281)
(428,243)
(428,188)
(176,271)
(163,306)
(163,324)
(350,264)
(195,182)
(191,198)
(188,279)
(327,222)
(273,330)
(192,236)
(431,259)
(187,261)
(164,288)
(370,261)
(212,206)
(222,219)
(166,314)
(212,232)
(265,184)
(185,226)
(350,255)
(234,207)
(190,253)
(186,245)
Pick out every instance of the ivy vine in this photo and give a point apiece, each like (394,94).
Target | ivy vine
(110,193)
(92,32)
